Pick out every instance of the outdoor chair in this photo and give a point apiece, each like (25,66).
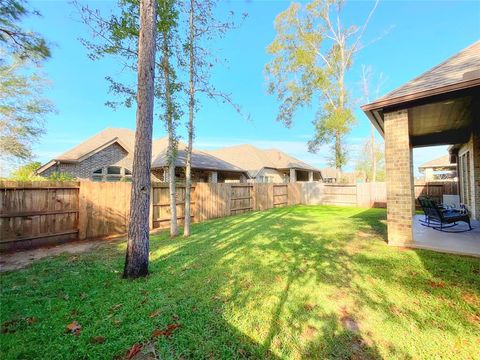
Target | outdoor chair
(439,218)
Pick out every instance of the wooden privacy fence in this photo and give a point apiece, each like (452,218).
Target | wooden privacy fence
(39,213)
(435,190)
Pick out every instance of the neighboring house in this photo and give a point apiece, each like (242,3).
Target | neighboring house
(267,166)
(439,169)
(108,156)
(440,107)
(329,175)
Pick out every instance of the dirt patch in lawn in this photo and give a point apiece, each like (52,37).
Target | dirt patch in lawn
(21,259)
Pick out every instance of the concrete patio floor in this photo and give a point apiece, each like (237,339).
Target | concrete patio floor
(465,243)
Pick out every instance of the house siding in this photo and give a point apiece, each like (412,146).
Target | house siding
(276,175)
(113,155)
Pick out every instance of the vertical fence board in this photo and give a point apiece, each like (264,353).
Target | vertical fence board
(40,213)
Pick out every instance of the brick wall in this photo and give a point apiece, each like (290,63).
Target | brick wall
(113,155)
(399,178)
(476,173)
(473,148)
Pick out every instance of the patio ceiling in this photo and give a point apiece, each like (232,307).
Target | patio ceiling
(444,122)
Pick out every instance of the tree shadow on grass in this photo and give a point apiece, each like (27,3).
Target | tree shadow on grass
(299,260)
(239,287)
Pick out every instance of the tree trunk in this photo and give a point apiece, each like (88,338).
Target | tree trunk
(172,142)
(136,260)
(173,200)
(191,105)
(338,155)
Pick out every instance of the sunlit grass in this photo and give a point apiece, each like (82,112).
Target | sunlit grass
(297,282)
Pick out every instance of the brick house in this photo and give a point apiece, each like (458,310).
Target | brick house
(108,156)
(439,169)
(268,165)
(439,107)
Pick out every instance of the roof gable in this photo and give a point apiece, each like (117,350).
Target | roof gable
(124,137)
(442,161)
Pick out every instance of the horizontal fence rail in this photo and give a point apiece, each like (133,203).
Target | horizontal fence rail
(39,213)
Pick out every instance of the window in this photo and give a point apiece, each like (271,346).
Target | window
(114,170)
(112,173)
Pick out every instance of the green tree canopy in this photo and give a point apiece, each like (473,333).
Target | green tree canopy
(311,55)
(26,172)
(22,110)
(25,44)
(364,161)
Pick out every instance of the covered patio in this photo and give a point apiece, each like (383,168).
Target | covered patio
(463,243)
(439,107)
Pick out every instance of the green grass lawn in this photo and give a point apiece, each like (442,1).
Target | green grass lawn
(297,282)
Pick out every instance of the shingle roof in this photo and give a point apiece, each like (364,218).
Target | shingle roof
(254,159)
(461,69)
(442,161)
(329,173)
(200,159)
(126,138)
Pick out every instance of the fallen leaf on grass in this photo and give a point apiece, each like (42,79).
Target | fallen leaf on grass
(73,328)
(154,313)
(436,284)
(309,307)
(31,320)
(97,340)
(165,332)
(134,350)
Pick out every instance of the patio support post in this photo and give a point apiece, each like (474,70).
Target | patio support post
(293,175)
(399,178)
(310,176)
(213,177)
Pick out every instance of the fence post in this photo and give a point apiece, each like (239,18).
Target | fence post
(150,211)
(82,210)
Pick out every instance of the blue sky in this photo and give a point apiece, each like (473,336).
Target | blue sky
(420,34)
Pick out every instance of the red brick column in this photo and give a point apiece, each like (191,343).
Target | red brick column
(399,178)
